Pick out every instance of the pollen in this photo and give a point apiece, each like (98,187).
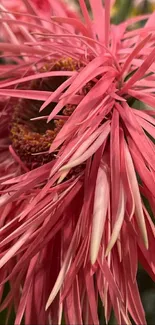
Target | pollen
(31,139)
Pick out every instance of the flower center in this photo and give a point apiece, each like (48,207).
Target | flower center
(31,139)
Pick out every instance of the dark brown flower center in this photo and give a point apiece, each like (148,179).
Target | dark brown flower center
(30,139)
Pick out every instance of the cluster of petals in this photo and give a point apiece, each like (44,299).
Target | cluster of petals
(68,242)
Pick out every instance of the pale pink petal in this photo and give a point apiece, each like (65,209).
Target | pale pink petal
(119,221)
(99,212)
(138,204)
(93,148)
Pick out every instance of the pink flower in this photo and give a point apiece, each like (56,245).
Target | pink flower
(23,11)
(74,224)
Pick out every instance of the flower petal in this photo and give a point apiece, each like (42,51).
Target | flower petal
(101,201)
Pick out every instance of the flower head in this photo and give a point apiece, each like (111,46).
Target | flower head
(78,169)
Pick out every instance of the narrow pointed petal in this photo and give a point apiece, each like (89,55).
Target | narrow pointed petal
(119,221)
(101,201)
(93,148)
(138,204)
